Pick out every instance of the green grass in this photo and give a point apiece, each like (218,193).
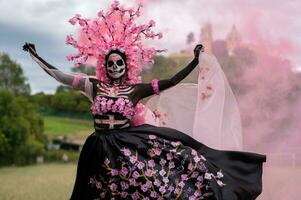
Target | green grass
(39,182)
(62,126)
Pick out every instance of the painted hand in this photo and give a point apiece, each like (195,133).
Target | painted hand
(198,48)
(29,47)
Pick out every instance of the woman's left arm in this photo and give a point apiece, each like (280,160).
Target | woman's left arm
(147,89)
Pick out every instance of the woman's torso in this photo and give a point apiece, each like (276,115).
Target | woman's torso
(113,106)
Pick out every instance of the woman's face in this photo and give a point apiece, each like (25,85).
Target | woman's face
(115,66)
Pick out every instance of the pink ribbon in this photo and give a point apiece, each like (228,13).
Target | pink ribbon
(155,86)
(75,82)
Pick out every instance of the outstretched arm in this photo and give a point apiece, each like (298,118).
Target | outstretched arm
(76,81)
(147,89)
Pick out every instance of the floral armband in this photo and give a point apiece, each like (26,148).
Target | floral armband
(155,86)
(75,82)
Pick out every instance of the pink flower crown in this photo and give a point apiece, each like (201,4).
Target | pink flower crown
(114,29)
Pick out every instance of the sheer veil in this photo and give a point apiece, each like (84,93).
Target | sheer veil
(207,111)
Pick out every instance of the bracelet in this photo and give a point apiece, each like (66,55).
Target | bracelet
(155,86)
(75,82)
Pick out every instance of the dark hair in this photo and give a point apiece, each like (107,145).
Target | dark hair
(123,56)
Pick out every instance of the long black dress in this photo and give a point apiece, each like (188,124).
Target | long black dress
(149,162)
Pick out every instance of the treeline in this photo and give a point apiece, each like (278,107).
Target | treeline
(21,127)
(65,102)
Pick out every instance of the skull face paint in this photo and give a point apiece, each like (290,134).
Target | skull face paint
(115,66)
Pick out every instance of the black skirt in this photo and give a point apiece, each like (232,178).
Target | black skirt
(149,162)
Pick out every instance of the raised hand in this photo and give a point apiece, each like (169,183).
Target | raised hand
(29,47)
(198,48)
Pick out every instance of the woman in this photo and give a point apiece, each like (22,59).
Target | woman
(122,161)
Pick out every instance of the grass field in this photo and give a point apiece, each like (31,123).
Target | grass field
(55,126)
(40,182)
(55,182)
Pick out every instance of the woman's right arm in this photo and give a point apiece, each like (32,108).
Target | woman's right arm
(77,82)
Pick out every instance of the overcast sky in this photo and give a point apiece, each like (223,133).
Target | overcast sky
(45,23)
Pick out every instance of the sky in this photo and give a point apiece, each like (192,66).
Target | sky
(45,23)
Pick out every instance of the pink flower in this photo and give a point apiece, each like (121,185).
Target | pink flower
(177,190)
(181,184)
(132,181)
(220,174)
(208,176)
(192,198)
(193,152)
(135,195)
(148,173)
(175,144)
(184,177)
(73,20)
(144,188)
(152,137)
(157,182)
(100,13)
(149,184)
(162,172)
(98,185)
(123,194)
(124,171)
(197,193)
(169,156)
(196,159)
(165,180)
(151,163)
(109,104)
(171,188)
(171,165)
(194,174)
(162,189)
(114,172)
(113,187)
(140,165)
(160,35)
(115,4)
(152,23)
(133,159)
(153,194)
(69,39)
(107,162)
(124,185)
(82,22)
(157,151)
(162,162)
(190,166)
(135,174)
(200,178)
(126,152)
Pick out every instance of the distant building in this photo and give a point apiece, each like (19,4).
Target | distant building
(233,40)
(206,37)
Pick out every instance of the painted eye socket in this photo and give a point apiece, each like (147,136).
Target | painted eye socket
(110,63)
(119,62)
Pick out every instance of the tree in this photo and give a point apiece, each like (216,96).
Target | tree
(190,38)
(11,76)
(89,70)
(21,130)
